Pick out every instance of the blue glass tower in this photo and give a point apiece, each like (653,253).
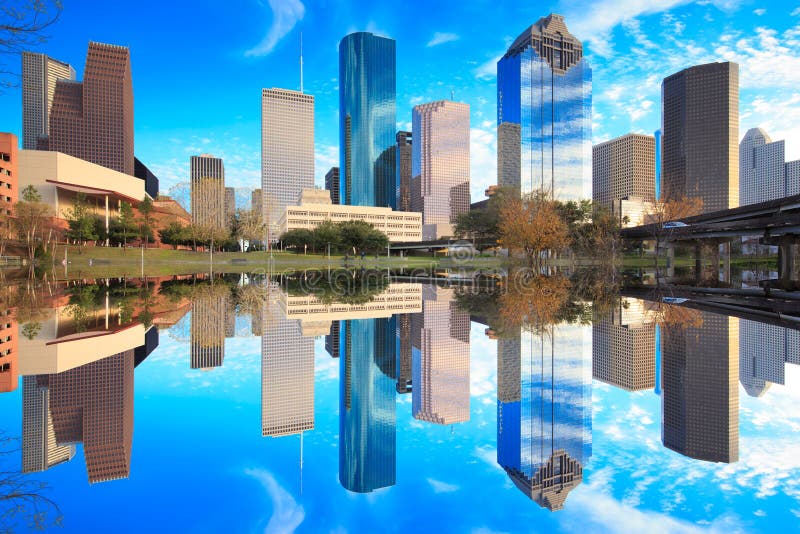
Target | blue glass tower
(544,113)
(367,431)
(544,411)
(367,121)
(658,163)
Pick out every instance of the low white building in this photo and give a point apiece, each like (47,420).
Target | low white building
(315,207)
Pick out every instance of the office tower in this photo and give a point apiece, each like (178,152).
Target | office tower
(257,202)
(404,144)
(544,411)
(93,120)
(39,448)
(700,127)
(207,330)
(544,113)
(367,121)
(623,168)
(624,348)
(332,340)
(39,75)
(764,173)
(404,354)
(94,404)
(9,352)
(764,351)
(440,166)
(441,362)
(287,374)
(9,173)
(230,204)
(700,394)
(332,184)
(208,191)
(150,180)
(287,149)
(367,417)
(657,136)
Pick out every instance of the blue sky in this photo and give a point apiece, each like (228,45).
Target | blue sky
(198,67)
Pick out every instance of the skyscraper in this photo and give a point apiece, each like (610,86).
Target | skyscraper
(700,126)
(623,168)
(257,202)
(544,411)
(624,348)
(39,75)
(93,120)
(700,393)
(39,448)
(657,135)
(332,184)
(403,155)
(9,173)
(230,204)
(440,366)
(544,110)
(208,191)
(440,170)
(764,173)
(287,149)
(93,403)
(367,121)
(287,374)
(332,340)
(367,417)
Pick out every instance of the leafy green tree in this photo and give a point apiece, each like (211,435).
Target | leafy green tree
(325,234)
(175,234)
(354,234)
(81,221)
(297,239)
(125,226)
(146,208)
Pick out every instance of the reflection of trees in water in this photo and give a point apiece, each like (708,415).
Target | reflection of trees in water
(346,287)
(24,503)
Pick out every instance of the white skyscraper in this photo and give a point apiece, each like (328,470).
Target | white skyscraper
(287,150)
(39,75)
(764,173)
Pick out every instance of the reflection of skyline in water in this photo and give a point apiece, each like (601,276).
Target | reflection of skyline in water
(417,342)
(544,411)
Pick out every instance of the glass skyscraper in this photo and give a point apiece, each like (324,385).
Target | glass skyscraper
(544,113)
(367,116)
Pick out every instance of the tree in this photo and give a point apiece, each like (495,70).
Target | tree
(81,221)
(658,213)
(125,223)
(483,223)
(325,234)
(31,215)
(22,27)
(250,226)
(146,208)
(175,234)
(533,225)
(297,238)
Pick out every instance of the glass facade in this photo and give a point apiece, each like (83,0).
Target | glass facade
(367,418)
(367,117)
(658,164)
(544,110)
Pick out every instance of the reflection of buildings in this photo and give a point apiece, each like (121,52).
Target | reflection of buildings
(624,348)
(367,437)
(93,403)
(544,110)
(404,353)
(332,340)
(700,396)
(9,367)
(39,448)
(544,413)
(287,375)
(209,312)
(764,351)
(441,359)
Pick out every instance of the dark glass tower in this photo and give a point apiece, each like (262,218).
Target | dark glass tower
(544,113)
(367,431)
(367,119)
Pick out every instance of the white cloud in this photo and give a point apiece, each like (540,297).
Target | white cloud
(766,59)
(795,12)
(285,15)
(488,70)
(441,38)
(287,514)
(325,157)
(759,12)
(442,487)
(483,161)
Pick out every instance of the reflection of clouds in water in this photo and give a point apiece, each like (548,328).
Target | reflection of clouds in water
(483,364)
(287,514)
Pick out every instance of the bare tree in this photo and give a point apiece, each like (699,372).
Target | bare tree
(32,218)
(22,27)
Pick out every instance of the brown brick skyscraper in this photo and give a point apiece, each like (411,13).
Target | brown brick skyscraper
(93,119)
(700,125)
